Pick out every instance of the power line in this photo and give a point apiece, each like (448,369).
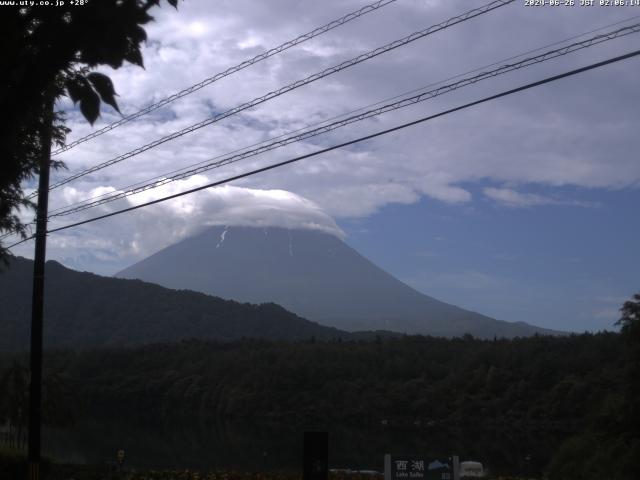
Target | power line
(16,230)
(309,126)
(13,232)
(351,142)
(297,84)
(258,58)
(423,96)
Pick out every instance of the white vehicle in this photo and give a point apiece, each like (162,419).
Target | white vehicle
(471,470)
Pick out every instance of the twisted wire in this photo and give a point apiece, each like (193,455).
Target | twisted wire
(297,84)
(404,94)
(229,159)
(218,76)
(502,94)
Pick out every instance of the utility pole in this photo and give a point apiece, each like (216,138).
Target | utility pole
(37,302)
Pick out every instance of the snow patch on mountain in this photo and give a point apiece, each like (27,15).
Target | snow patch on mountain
(115,244)
(222,235)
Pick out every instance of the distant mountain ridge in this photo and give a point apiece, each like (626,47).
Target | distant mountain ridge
(315,275)
(83,310)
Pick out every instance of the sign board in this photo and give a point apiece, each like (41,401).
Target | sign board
(419,467)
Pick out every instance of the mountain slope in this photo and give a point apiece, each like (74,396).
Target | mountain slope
(83,310)
(313,274)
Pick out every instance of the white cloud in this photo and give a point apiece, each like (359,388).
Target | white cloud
(578,133)
(514,199)
(110,244)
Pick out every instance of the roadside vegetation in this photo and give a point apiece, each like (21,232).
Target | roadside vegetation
(573,389)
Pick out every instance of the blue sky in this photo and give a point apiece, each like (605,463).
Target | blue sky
(557,266)
(521,208)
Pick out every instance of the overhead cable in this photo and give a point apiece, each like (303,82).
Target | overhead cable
(297,84)
(351,142)
(218,76)
(344,115)
(421,97)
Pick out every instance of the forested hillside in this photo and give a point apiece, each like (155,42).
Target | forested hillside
(83,310)
(576,388)
(570,380)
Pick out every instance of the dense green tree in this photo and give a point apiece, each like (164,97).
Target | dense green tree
(426,384)
(14,385)
(48,52)
(59,402)
(630,319)
(630,323)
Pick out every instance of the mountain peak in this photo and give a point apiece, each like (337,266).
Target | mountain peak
(314,274)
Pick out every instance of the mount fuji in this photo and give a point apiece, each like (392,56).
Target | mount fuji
(315,275)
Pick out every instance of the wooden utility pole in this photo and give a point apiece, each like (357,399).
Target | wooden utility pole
(37,302)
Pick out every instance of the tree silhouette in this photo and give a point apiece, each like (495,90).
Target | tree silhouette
(630,323)
(14,383)
(49,52)
(630,319)
(60,404)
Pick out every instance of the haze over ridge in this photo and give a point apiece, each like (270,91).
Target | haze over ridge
(313,274)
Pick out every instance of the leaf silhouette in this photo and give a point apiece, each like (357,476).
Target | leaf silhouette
(134,56)
(104,86)
(90,105)
(74,89)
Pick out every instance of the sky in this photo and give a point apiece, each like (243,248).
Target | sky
(522,208)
